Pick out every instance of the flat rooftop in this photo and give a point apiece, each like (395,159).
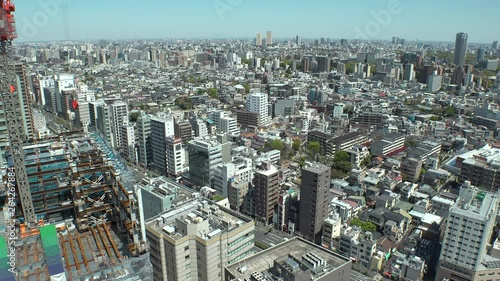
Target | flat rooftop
(296,248)
(211,220)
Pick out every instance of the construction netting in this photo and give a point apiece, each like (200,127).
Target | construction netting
(50,243)
(5,274)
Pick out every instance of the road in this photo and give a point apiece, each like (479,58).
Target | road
(275,237)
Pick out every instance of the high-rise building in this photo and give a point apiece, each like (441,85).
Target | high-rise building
(196,240)
(409,73)
(314,191)
(128,141)
(265,192)
(480,54)
(175,156)
(460,48)
(25,100)
(119,117)
(458,76)
(229,126)
(145,152)
(468,232)
(434,82)
(297,40)
(162,127)
(338,110)
(269,38)
(238,170)
(258,39)
(323,63)
(204,155)
(257,102)
(494,45)
(63,82)
(183,131)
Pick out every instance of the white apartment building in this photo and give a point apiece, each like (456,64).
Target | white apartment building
(238,170)
(468,232)
(358,245)
(229,126)
(175,156)
(257,102)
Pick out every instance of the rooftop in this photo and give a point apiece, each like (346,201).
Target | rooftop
(289,252)
(210,220)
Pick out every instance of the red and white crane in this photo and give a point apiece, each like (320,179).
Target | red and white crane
(12,107)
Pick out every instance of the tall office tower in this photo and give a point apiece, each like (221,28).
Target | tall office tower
(257,102)
(196,240)
(25,100)
(297,40)
(314,201)
(63,82)
(468,232)
(494,45)
(480,52)
(119,117)
(258,39)
(306,64)
(176,157)
(204,155)
(128,141)
(265,192)
(184,131)
(460,48)
(323,64)
(434,82)
(145,152)
(162,127)
(269,38)
(458,76)
(409,73)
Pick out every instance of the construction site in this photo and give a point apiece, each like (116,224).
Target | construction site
(76,191)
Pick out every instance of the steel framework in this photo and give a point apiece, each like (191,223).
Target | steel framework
(12,108)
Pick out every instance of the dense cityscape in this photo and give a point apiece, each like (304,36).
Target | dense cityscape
(259,158)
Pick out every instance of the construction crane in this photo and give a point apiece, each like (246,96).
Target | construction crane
(12,107)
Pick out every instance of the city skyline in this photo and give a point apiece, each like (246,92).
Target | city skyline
(361,19)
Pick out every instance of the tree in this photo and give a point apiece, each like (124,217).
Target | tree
(133,116)
(212,92)
(247,87)
(365,225)
(342,156)
(313,147)
(184,103)
(296,144)
(449,111)
(435,118)
(277,144)
(200,91)
(349,68)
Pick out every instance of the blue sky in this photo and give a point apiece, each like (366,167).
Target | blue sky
(38,20)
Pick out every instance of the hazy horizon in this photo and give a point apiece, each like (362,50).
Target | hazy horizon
(424,20)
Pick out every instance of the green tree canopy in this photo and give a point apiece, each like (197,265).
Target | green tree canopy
(212,92)
(277,144)
(342,156)
(365,225)
(296,144)
(313,147)
(184,103)
(133,116)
